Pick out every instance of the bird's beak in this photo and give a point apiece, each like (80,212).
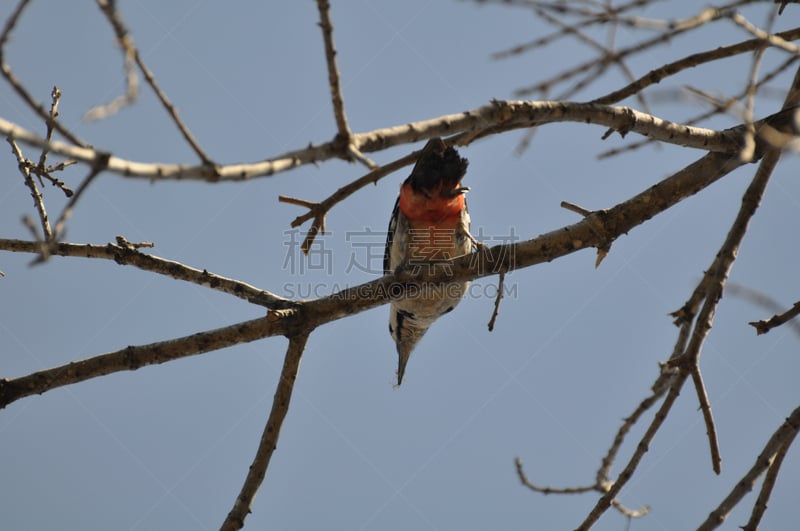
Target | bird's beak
(459,191)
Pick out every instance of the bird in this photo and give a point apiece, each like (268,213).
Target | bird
(430,223)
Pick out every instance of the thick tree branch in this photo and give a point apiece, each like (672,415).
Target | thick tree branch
(125,253)
(134,357)
(595,230)
(493,118)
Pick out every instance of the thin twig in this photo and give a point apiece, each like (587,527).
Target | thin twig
(748,149)
(783,4)
(58,229)
(523,478)
(55,97)
(760,506)
(37,107)
(785,433)
(773,40)
(318,211)
(111,108)
(708,418)
(324,8)
(38,201)
(690,61)
(109,10)
(575,208)
(608,56)
(764,326)
(344,137)
(607,499)
(269,438)
(719,107)
(711,287)
(681,26)
(626,511)
(604,472)
(500,287)
(611,14)
(714,285)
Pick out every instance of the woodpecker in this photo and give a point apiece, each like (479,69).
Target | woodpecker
(430,223)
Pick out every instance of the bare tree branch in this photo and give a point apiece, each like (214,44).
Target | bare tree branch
(762,327)
(773,40)
(38,200)
(269,439)
(493,118)
(348,150)
(719,107)
(670,69)
(319,211)
(595,230)
(19,88)
(676,28)
(108,8)
(760,506)
(608,498)
(134,357)
(523,478)
(782,437)
(125,253)
(724,151)
(97,169)
(609,14)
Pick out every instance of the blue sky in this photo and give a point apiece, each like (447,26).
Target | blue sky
(574,350)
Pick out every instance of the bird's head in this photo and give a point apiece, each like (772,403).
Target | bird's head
(434,191)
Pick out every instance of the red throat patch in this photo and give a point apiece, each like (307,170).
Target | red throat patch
(436,206)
